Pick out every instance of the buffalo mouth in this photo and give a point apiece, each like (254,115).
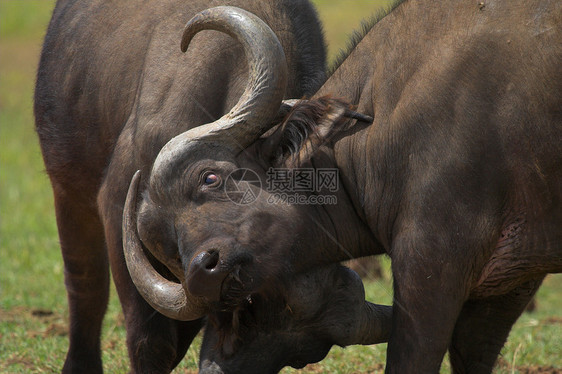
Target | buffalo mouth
(237,290)
(241,319)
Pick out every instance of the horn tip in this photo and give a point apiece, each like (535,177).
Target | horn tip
(184,43)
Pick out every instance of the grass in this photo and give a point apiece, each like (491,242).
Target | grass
(33,311)
(341,20)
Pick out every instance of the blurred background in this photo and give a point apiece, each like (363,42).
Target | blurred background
(33,312)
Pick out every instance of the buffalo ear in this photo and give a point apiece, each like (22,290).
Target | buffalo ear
(308,125)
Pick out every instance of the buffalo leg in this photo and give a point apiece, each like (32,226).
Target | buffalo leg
(156,344)
(86,271)
(427,301)
(483,327)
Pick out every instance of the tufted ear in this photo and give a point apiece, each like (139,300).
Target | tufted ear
(308,125)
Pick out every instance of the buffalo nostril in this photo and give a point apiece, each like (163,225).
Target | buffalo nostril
(212,260)
(206,260)
(204,276)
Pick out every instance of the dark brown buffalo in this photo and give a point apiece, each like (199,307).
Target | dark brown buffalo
(113,87)
(458,179)
(316,310)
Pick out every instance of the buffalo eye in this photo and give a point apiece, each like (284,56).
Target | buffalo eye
(211,179)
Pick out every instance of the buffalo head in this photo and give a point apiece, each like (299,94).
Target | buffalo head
(294,327)
(192,216)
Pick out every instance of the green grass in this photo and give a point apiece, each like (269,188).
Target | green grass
(341,18)
(21,18)
(33,311)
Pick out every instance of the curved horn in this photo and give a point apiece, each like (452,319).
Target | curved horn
(267,68)
(167,297)
(258,105)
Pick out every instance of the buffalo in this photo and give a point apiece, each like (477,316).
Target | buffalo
(113,87)
(458,179)
(298,326)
